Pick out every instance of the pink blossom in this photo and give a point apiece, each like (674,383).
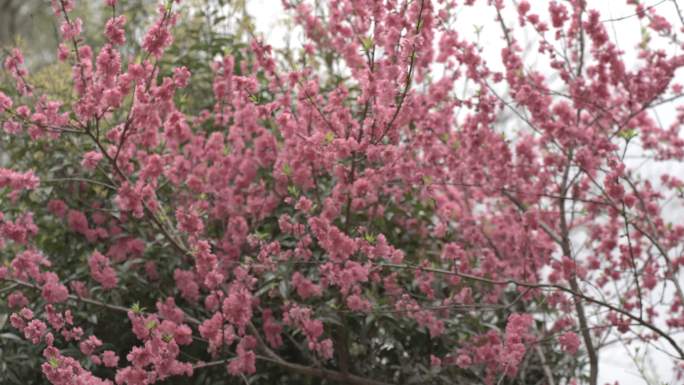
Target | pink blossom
(170,311)
(79,288)
(186,284)
(91,159)
(53,291)
(211,329)
(71,29)
(463,360)
(305,288)
(245,362)
(272,330)
(77,221)
(101,271)
(5,102)
(181,76)
(89,345)
(357,303)
(18,181)
(570,342)
(62,52)
(114,30)
(16,300)
(34,331)
(110,359)
(157,38)
(237,307)
(57,207)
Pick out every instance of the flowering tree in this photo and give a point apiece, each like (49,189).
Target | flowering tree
(346,215)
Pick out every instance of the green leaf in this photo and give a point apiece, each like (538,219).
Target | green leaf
(151,324)
(11,336)
(367,42)
(287,170)
(292,189)
(628,134)
(282,288)
(53,362)
(329,137)
(136,309)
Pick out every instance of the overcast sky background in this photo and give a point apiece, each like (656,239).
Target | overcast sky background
(624,27)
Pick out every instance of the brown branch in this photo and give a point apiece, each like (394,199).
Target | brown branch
(409,78)
(307,371)
(547,286)
(94,302)
(574,285)
(334,375)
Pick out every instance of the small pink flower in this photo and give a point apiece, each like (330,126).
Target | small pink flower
(114,30)
(570,342)
(101,271)
(89,345)
(463,360)
(110,359)
(62,52)
(71,29)
(5,102)
(91,159)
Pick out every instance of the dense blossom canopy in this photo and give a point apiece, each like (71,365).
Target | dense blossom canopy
(389,207)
